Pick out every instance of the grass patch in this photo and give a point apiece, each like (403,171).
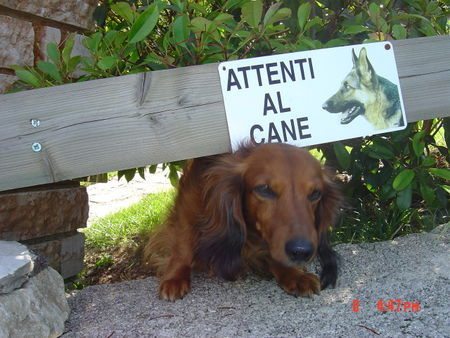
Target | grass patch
(126,226)
(113,242)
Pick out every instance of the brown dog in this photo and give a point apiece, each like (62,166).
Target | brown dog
(263,208)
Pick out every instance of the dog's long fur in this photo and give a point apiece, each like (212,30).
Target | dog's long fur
(236,213)
(365,93)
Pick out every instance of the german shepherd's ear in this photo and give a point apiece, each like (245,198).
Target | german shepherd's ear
(222,229)
(364,69)
(326,213)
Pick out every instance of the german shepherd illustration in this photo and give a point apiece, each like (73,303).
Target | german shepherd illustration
(365,93)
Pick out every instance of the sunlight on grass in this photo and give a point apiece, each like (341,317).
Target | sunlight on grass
(123,227)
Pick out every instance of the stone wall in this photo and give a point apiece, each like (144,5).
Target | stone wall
(27,26)
(46,219)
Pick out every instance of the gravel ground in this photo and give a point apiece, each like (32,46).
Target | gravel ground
(414,269)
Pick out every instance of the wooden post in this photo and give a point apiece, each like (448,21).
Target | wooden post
(64,132)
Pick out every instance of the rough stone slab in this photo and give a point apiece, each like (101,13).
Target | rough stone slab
(414,268)
(16,42)
(6,81)
(65,253)
(39,309)
(78,13)
(48,35)
(34,214)
(16,263)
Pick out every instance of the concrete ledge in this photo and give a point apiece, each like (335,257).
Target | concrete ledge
(411,269)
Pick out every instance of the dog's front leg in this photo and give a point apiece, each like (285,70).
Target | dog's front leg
(295,280)
(176,281)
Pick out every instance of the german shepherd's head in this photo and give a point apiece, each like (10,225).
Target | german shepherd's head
(363,92)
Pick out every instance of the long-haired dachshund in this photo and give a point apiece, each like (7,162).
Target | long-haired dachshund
(264,209)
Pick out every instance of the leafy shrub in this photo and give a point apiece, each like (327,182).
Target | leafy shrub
(395,183)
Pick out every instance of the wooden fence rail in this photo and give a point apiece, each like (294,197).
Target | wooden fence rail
(64,132)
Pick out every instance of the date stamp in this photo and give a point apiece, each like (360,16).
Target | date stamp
(390,305)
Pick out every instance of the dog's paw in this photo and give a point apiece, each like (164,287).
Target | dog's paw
(173,289)
(304,284)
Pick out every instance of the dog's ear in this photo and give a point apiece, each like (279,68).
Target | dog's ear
(365,70)
(329,204)
(328,261)
(326,213)
(222,231)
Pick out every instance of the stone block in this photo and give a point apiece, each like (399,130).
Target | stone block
(37,213)
(16,263)
(16,42)
(6,82)
(38,309)
(78,13)
(48,34)
(65,253)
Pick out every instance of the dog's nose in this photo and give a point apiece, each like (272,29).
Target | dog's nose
(299,250)
(325,105)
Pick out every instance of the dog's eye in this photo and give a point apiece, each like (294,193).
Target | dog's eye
(265,191)
(315,195)
(347,86)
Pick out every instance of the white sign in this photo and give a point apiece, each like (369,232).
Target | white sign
(313,97)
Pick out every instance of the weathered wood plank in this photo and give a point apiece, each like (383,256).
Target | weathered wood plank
(135,120)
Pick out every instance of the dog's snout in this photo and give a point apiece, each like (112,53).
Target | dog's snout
(299,250)
(325,106)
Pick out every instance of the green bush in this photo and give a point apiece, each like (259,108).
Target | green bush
(395,183)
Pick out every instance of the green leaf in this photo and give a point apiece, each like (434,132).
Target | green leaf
(141,171)
(67,50)
(374,10)
(303,13)
(427,193)
(28,77)
(380,149)
(180,28)
(335,43)
(428,161)
(399,32)
(222,17)
(281,14)
(73,63)
(144,24)
(152,168)
(107,62)
(53,53)
(93,41)
(404,198)
(123,10)
(270,12)
(110,37)
(252,12)
(50,69)
(446,121)
(446,188)
(342,155)
(355,29)
(173,176)
(418,143)
(128,173)
(442,173)
(316,21)
(403,179)
(233,3)
(198,8)
(201,25)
